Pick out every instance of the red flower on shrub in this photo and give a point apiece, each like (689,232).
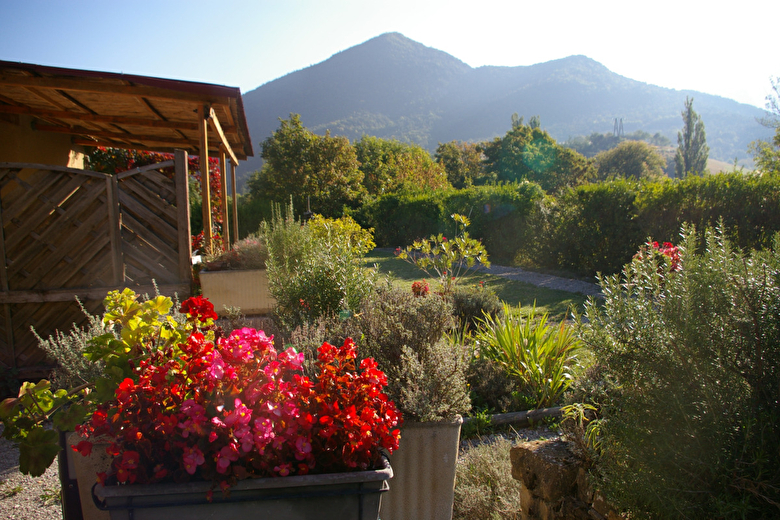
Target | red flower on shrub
(420,288)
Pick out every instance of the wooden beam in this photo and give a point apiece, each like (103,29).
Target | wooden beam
(205,189)
(182,182)
(110,135)
(115,230)
(223,179)
(87,85)
(97,118)
(141,169)
(49,167)
(235,200)
(4,287)
(86,293)
(214,121)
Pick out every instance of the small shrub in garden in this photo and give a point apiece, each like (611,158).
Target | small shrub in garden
(492,387)
(472,302)
(540,356)
(316,268)
(484,487)
(247,253)
(448,259)
(405,334)
(689,382)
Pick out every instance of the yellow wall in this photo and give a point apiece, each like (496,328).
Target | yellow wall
(20,143)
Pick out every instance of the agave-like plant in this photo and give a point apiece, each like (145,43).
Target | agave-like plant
(538,354)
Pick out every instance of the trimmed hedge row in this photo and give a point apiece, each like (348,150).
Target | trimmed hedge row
(598,227)
(497,213)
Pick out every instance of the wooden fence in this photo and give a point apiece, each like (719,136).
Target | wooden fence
(69,233)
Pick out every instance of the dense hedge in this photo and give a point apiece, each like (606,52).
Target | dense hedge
(497,215)
(584,230)
(598,227)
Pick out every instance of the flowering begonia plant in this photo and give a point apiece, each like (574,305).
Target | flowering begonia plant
(233,407)
(180,401)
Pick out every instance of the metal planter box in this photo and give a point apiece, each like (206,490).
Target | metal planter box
(246,289)
(424,467)
(332,496)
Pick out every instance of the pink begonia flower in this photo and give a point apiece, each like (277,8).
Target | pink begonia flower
(283,469)
(225,456)
(304,448)
(240,416)
(192,458)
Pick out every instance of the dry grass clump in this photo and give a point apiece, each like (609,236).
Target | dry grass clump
(484,487)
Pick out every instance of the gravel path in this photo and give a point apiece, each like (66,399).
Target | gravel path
(23,497)
(544,280)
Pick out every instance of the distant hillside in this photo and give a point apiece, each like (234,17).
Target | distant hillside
(394,87)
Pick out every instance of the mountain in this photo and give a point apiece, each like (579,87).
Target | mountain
(394,87)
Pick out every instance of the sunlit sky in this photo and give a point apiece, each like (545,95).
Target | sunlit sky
(723,48)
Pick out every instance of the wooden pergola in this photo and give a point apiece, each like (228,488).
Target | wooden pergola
(135,112)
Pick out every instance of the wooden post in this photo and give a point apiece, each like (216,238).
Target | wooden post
(205,190)
(223,175)
(4,286)
(181,181)
(115,229)
(235,199)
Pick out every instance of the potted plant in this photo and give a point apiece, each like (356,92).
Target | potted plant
(186,411)
(237,277)
(407,335)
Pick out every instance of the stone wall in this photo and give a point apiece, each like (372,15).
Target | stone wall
(555,485)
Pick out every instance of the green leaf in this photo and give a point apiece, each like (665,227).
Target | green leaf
(37,451)
(70,418)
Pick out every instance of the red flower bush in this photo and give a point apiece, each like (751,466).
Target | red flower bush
(420,288)
(234,407)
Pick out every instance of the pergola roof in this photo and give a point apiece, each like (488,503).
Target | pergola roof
(124,111)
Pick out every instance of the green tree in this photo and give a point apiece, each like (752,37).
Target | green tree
(631,160)
(463,164)
(527,153)
(692,149)
(303,165)
(388,165)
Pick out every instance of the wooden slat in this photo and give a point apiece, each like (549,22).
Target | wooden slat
(160,225)
(150,266)
(235,200)
(85,293)
(48,263)
(63,169)
(115,230)
(142,169)
(151,199)
(87,85)
(181,180)
(55,231)
(224,208)
(205,188)
(214,122)
(98,118)
(31,220)
(131,225)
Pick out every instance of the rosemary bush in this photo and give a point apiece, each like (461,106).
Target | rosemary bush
(691,415)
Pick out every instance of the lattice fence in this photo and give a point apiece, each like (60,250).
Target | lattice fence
(70,233)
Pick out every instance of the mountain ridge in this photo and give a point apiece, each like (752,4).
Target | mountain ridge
(394,87)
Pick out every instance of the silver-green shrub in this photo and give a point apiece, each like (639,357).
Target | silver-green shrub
(691,362)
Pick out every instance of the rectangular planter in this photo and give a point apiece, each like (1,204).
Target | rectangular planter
(424,467)
(246,289)
(333,496)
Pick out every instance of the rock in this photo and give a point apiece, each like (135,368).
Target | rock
(547,468)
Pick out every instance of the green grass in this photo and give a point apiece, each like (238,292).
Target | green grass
(513,292)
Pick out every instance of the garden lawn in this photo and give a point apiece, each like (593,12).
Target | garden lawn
(513,292)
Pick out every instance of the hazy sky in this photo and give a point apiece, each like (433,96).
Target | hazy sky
(723,48)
